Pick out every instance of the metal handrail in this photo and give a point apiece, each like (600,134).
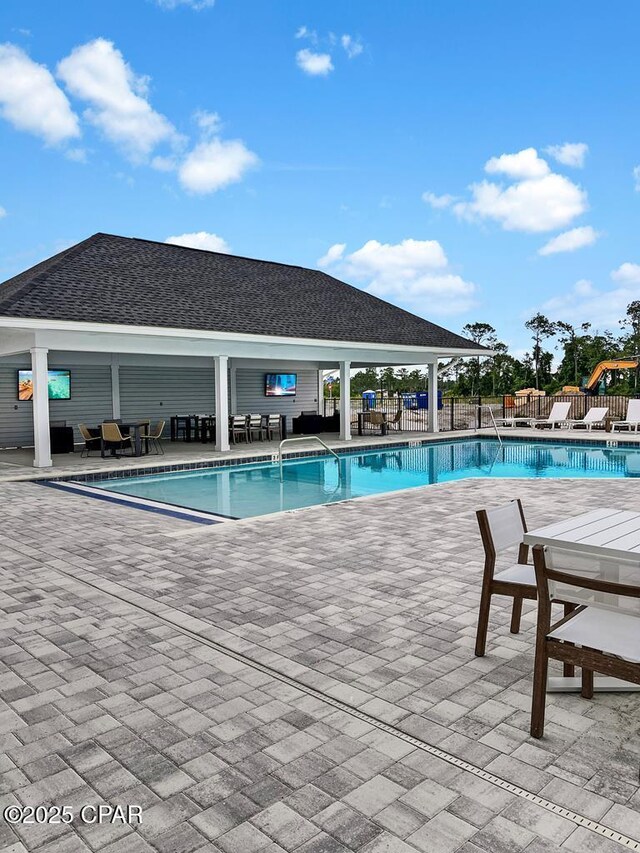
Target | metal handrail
(495,425)
(307,438)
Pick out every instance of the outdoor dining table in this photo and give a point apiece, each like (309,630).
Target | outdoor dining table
(134,428)
(190,424)
(363,417)
(611,533)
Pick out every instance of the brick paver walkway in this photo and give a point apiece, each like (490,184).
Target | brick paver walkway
(107,694)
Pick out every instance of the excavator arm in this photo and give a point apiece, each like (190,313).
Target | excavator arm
(612,364)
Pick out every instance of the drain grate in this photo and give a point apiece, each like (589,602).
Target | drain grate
(576,818)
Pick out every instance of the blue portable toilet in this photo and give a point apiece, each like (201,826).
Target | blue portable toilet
(368,400)
(423,399)
(409,400)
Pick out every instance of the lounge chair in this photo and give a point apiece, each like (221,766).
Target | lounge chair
(513,421)
(557,416)
(633,418)
(594,417)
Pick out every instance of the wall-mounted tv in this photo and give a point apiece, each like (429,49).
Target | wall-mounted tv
(280,384)
(59,382)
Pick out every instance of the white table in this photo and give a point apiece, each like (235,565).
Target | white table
(600,532)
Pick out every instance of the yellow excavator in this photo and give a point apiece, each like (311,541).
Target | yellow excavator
(591,385)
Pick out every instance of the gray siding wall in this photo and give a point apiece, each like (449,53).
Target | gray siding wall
(160,392)
(90,401)
(250,393)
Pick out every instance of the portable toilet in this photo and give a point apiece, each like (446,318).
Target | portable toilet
(423,399)
(368,400)
(409,400)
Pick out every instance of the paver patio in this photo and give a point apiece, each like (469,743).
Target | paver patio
(107,695)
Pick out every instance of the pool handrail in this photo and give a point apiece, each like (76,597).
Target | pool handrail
(307,438)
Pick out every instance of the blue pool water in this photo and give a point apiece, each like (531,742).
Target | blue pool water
(243,491)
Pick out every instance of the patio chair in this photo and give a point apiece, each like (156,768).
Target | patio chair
(632,420)
(514,420)
(395,421)
(274,426)
(110,434)
(376,419)
(90,441)
(557,416)
(594,417)
(154,436)
(239,427)
(600,634)
(501,528)
(256,426)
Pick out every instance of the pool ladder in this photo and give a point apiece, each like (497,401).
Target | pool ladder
(493,420)
(307,438)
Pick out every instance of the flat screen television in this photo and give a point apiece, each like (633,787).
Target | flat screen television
(59,382)
(280,384)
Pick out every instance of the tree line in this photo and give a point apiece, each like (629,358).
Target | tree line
(578,349)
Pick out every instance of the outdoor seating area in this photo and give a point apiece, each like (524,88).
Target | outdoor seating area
(589,565)
(115,437)
(378,421)
(247,428)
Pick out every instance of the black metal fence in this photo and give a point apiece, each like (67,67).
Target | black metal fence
(459,413)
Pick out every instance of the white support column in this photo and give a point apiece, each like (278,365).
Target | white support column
(233,389)
(345,401)
(432,422)
(321,392)
(115,385)
(221,364)
(41,437)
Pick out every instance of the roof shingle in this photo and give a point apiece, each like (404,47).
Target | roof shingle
(124,280)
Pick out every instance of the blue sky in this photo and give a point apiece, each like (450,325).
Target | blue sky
(426,151)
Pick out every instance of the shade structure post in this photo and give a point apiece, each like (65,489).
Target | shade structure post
(432,418)
(41,436)
(221,377)
(345,401)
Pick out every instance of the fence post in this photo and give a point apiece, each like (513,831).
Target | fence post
(504,406)
(452,415)
(479,412)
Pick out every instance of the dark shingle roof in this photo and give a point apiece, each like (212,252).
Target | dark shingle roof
(123,280)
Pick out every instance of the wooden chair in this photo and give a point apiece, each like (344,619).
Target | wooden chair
(239,427)
(601,633)
(154,436)
(89,440)
(502,528)
(110,434)
(255,425)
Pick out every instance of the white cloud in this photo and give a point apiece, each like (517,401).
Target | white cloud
(627,274)
(31,100)
(569,241)
(333,255)
(413,273)
(524,164)
(200,240)
(315,64)
(636,178)
(537,200)
(214,164)
(438,201)
(569,154)
(198,5)
(210,124)
(3,212)
(98,73)
(602,307)
(353,47)
(305,33)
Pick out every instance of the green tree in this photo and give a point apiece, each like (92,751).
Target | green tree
(541,328)
(485,335)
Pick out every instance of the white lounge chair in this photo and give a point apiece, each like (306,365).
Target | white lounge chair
(595,416)
(633,418)
(557,416)
(514,421)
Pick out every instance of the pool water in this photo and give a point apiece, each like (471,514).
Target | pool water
(243,491)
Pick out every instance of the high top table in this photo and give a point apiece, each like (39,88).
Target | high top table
(600,532)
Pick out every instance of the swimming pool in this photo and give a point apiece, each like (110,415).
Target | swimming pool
(243,491)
